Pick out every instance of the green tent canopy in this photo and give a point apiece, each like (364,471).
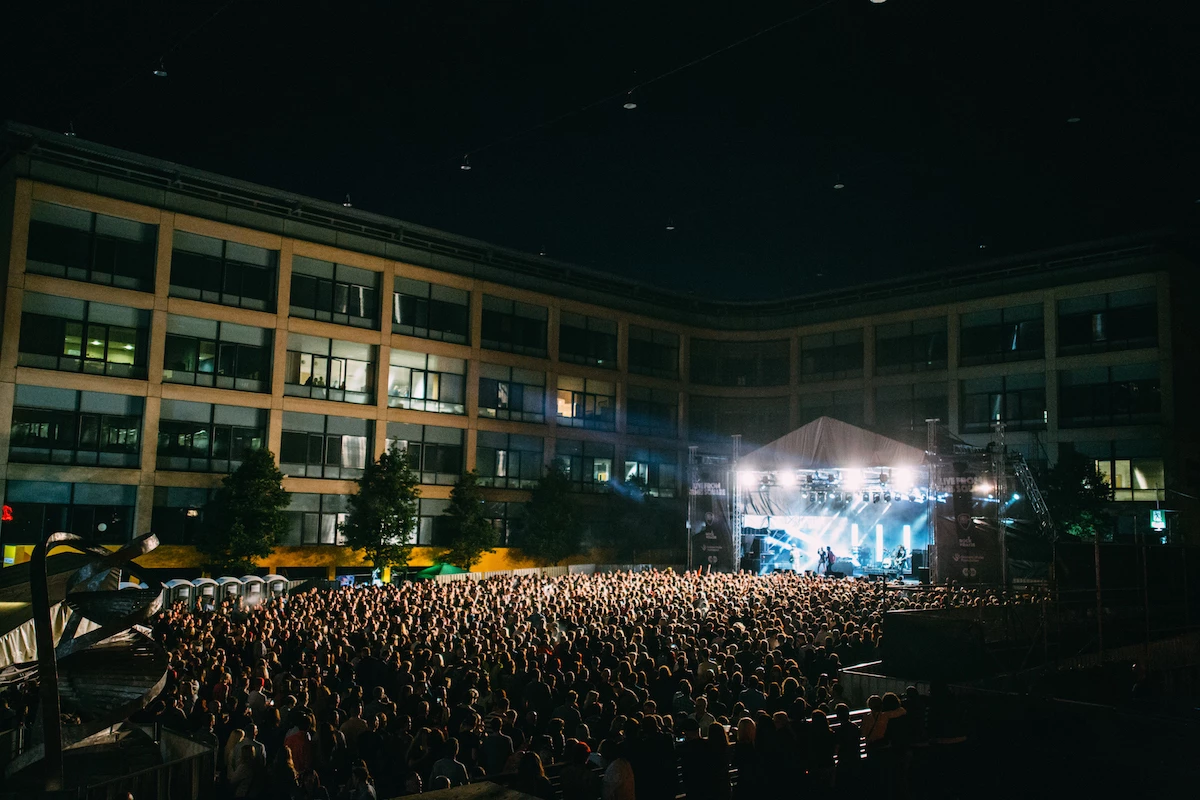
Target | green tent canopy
(440,569)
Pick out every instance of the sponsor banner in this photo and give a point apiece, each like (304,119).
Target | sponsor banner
(968,546)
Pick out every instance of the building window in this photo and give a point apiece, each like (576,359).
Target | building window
(315,519)
(832,356)
(508,461)
(1019,401)
(329,369)
(587,403)
(431,311)
(904,408)
(514,327)
(432,522)
(653,352)
(846,406)
(1102,396)
(717,363)
(201,437)
(656,471)
(587,465)
(69,335)
(512,393)
(1006,334)
(652,412)
(910,346)
(82,246)
(1104,322)
(334,293)
(229,273)
(204,352)
(507,519)
(587,340)
(1134,479)
(178,515)
(318,446)
(758,420)
(436,453)
(61,426)
(99,512)
(421,382)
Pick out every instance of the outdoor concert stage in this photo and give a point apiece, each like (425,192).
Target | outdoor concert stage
(884,507)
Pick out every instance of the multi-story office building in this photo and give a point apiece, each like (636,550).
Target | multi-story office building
(158,321)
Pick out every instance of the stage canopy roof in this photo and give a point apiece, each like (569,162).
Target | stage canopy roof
(827,443)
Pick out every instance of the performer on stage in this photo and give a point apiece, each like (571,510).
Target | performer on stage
(901,556)
(830,559)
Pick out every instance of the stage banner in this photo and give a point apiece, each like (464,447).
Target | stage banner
(968,546)
(712,539)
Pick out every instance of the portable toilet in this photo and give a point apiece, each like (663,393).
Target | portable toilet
(179,590)
(276,585)
(253,588)
(206,591)
(230,587)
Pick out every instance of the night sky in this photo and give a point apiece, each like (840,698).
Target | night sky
(946,120)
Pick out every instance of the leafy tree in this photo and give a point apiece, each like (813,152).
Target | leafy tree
(1077,496)
(550,533)
(382,519)
(631,519)
(246,517)
(470,534)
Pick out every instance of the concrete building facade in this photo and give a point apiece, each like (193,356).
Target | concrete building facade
(157,320)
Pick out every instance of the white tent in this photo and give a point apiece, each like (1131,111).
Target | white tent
(827,443)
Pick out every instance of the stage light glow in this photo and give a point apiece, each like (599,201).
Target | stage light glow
(907,538)
(787,479)
(1016,497)
(983,487)
(745,478)
(902,479)
(852,479)
(854,536)
(879,543)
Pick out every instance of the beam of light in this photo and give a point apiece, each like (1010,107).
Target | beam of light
(902,479)
(879,542)
(745,478)
(907,538)
(854,536)
(787,478)
(852,479)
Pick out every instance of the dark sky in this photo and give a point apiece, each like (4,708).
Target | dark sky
(945,119)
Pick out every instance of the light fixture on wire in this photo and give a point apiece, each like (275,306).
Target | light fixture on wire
(348,204)
(70,131)
(630,103)
(878,2)
(1072,119)
(670,224)
(466,163)
(161,72)
(837,184)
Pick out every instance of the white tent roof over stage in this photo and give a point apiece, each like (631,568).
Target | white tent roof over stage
(827,443)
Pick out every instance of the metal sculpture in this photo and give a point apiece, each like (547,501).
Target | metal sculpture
(103,675)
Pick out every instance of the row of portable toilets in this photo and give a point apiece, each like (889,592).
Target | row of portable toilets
(211,591)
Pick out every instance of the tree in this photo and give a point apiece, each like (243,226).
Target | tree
(1077,496)
(246,516)
(470,534)
(382,519)
(550,534)
(631,520)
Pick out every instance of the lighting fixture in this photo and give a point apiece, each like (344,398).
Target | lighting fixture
(866,497)
(878,2)
(875,497)
(97,341)
(787,478)
(348,204)
(630,104)
(887,497)
(70,131)
(466,163)
(838,183)
(1016,496)
(128,347)
(161,72)
(1072,119)
(670,224)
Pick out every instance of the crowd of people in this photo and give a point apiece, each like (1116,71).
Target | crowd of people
(622,685)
